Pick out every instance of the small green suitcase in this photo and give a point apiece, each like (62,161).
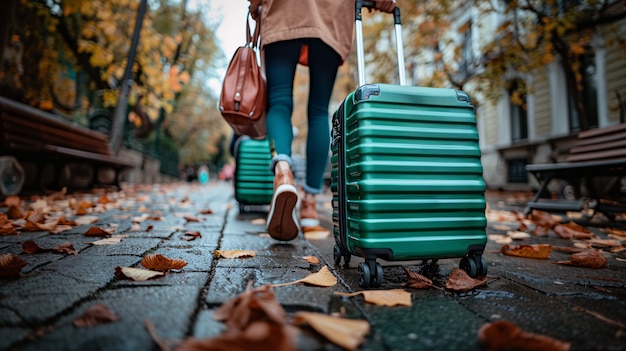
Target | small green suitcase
(407,178)
(254,183)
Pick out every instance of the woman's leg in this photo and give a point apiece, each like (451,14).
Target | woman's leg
(323,65)
(280,64)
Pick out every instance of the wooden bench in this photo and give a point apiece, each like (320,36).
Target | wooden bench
(46,140)
(599,152)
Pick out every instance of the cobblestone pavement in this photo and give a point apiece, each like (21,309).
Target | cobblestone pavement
(582,306)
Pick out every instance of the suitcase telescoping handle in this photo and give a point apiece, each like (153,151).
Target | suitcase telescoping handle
(360,55)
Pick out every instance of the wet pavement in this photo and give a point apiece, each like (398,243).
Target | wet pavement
(585,307)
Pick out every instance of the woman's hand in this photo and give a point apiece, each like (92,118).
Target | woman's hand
(385,5)
(254,8)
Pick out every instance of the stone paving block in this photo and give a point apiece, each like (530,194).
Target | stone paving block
(10,335)
(197,258)
(128,246)
(433,322)
(168,308)
(154,233)
(230,282)
(18,239)
(268,252)
(206,326)
(197,279)
(209,238)
(41,295)
(514,302)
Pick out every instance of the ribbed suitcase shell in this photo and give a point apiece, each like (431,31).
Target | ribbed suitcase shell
(412,174)
(254,183)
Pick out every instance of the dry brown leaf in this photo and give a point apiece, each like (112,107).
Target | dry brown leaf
(12,200)
(65,221)
(528,251)
(104,199)
(60,228)
(459,280)
(417,280)
(97,232)
(323,277)
(11,265)
(191,235)
(251,305)
(191,218)
(605,242)
(144,217)
(15,212)
(543,219)
(587,259)
(617,232)
(7,229)
(311,259)
(30,247)
(504,335)
(393,297)
(162,263)
(136,274)
(95,315)
(235,253)
(346,333)
(517,235)
(568,232)
(65,247)
(206,211)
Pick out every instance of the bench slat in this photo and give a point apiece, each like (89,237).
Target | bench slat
(601,155)
(617,144)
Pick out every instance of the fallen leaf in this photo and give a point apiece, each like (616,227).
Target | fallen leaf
(84,220)
(517,235)
(97,232)
(191,235)
(323,277)
(543,219)
(60,228)
(253,304)
(11,265)
(259,221)
(528,251)
(605,242)
(15,212)
(504,335)
(235,253)
(417,280)
(12,200)
(346,333)
(206,211)
(587,259)
(136,274)
(311,259)
(30,247)
(459,280)
(144,217)
(65,247)
(568,232)
(191,218)
(95,315)
(393,297)
(317,234)
(159,262)
(500,238)
(617,232)
(106,241)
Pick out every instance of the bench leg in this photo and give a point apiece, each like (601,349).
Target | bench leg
(542,190)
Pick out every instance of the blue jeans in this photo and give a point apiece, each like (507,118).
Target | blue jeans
(281,59)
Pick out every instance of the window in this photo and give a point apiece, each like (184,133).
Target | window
(517,108)
(516,172)
(589,93)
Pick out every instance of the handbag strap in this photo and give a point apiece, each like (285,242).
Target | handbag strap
(253,40)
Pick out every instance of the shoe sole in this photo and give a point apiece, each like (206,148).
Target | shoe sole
(282,224)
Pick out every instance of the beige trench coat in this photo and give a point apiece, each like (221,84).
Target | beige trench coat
(332,21)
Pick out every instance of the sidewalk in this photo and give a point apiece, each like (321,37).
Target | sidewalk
(582,306)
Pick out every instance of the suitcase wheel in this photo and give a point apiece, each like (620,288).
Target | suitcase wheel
(370,274)
(474,265)
(339,253)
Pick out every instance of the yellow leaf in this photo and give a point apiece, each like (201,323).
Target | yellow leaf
(323,277)
(235,253)
(393,297)
(347,333)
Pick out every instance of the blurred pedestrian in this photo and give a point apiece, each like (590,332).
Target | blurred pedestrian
(316,33)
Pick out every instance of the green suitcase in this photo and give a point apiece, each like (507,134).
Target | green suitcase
(407,178)
(254,183)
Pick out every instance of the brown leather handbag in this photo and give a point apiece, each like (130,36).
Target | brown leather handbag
(243,100)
